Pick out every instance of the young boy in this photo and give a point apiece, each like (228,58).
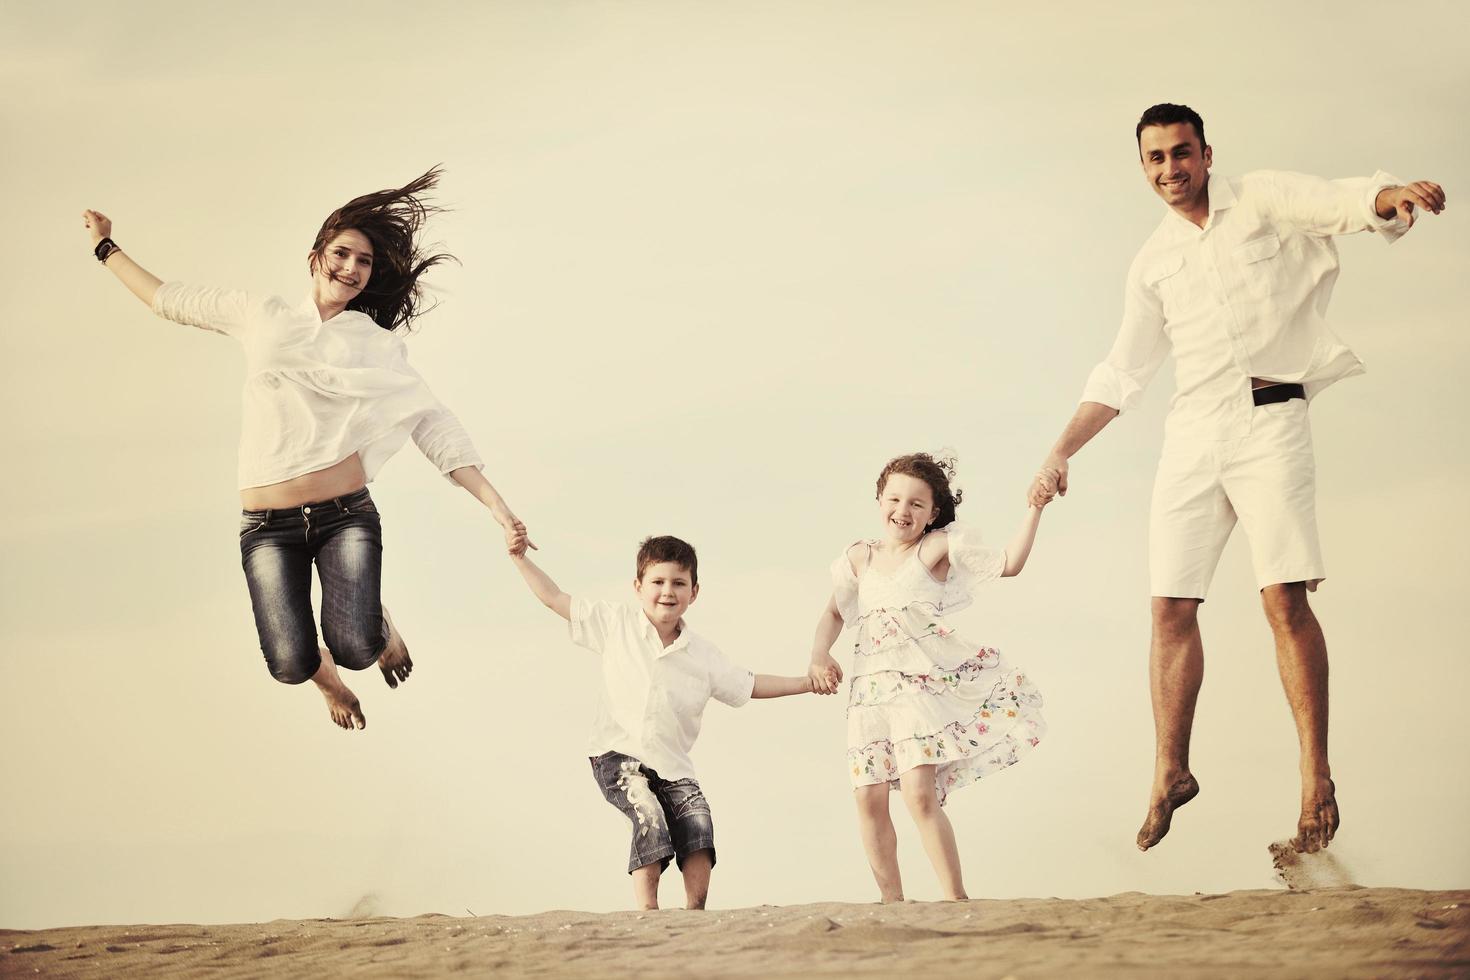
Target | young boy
(657,676)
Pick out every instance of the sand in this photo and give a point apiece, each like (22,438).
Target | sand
(1336,932)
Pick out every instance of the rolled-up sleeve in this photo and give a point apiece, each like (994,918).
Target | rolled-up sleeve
(439,434)
(445,443)
(1138,351)
(206,307)
(1331,207)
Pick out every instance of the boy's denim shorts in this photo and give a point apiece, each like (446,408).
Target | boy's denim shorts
(670,818)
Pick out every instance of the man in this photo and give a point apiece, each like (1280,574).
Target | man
(1235,280)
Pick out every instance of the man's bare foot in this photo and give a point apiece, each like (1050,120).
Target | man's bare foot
(1161,810)
(341,702)
(394,661)
(1319,820)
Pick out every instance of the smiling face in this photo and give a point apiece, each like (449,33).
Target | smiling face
(1177,167)
(342,270)
(665,590)
(907,508)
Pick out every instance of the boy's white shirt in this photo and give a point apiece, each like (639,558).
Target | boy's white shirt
(652,697)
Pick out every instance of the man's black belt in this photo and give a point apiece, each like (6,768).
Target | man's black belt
(1271,394)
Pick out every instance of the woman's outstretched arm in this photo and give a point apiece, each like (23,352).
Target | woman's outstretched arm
(470,477)
(140,282)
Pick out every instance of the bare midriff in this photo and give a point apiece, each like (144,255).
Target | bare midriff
(1263,383)
(337,480)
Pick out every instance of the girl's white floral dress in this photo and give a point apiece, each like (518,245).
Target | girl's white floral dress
(920,694)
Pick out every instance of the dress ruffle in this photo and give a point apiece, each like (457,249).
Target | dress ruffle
(968,722)
(972,563)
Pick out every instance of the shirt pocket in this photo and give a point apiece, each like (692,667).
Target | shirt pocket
(1170,279)
(1261,265)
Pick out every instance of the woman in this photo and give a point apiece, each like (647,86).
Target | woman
(329,396)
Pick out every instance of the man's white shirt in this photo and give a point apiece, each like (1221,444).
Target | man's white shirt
(1245,296)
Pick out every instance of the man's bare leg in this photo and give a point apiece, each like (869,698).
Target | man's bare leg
(342,704)
(875,825)
(1176,667)
(394,661)
(696,870)
(935,830)
(1301,658)
(645,886)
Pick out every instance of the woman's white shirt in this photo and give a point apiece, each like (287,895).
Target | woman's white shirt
(317,392)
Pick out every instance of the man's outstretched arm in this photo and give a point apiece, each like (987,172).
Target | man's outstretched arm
(1089,419)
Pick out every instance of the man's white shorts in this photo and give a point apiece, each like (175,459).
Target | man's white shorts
(1268,480)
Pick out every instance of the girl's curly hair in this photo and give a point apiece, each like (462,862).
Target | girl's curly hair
(391,220)
(938,473)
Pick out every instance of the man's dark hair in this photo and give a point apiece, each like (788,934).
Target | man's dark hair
(1167,114)
(668,548)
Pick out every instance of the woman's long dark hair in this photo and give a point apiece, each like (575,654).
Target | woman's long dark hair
(391,220)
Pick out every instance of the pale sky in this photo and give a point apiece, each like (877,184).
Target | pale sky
(720,261)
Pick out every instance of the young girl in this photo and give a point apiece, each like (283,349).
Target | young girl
(329,396)
(927,712)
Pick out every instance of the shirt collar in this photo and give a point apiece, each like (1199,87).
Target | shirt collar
(650,632)
(1221,195)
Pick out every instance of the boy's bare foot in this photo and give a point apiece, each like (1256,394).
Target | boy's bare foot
(342,704)
(1161,810)
(1319,820)
(394,661)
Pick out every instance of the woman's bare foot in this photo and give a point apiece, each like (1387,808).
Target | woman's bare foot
(1319,820)
(394,661)
(341,702)
(1161,810)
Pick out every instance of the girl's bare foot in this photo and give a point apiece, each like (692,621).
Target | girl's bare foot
(394,661)
(342,704)
(1161,810)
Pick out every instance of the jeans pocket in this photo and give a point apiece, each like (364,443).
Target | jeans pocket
(1292,406)
(250,523)
(685,798)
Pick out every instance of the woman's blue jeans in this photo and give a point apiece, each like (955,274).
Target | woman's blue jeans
(344,537)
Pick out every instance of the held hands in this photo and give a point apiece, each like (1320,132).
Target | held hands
(1403,200)
(98,225)
(516,538)
(1050,482)
(825,675)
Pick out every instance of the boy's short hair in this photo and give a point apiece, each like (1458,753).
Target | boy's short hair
(666,547)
